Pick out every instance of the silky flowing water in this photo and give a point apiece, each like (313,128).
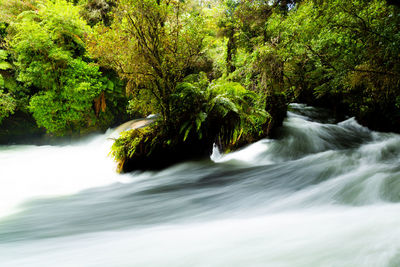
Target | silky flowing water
(322,194)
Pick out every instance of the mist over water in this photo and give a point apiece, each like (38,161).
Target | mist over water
(322,194)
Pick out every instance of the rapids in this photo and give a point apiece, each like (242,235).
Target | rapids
(322,194)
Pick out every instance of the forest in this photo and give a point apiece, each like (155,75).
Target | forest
(215,72)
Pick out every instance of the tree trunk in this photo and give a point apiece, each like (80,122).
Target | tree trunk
(231,49)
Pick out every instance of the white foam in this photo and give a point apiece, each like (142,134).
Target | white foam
(248,154)
(311,237)
(28,172)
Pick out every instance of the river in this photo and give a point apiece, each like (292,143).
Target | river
(322,194)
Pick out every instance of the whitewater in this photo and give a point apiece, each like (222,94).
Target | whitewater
(323,193)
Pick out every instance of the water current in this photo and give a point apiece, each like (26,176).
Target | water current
(321,194)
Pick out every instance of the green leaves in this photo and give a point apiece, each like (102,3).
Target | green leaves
(236,108)
(7,103)
(152,45)
(342,50)
(4,65)
(134,143)
(222,105)
(194,125)
(71,105)
(46,41)
(52,64)
(223,111)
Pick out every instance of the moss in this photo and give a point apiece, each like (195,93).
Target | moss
(133,144)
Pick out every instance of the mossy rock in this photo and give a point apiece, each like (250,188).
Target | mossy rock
(149,148)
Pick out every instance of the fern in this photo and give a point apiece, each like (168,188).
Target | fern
(4,65)
(223,108)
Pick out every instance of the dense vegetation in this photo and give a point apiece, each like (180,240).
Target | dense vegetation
(48,73)
(217,71)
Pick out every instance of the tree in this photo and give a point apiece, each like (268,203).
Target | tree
(60,81)
(151,44)
(96,11)
(344,54)
(10,9)
(7,102)
(228,28)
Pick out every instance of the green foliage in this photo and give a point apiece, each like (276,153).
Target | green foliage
(67,94)
(136,144)
(129,142)
(7,103)
(71,108)
(222,111)
(45,42)
(3,27)
(96,11)
(188,104)
(152,52)
(4,65)
(10,9)
(141,104)
(238,110)
(343,54)
(345,50)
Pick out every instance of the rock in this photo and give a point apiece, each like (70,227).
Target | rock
(276,106)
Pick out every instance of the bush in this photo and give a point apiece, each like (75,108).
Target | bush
(66,92)
(221,112)
(7,104)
